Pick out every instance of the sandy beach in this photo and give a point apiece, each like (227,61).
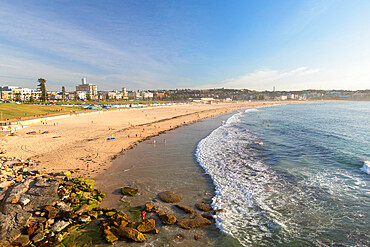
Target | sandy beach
(89,142)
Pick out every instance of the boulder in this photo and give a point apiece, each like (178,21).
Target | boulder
(128,191)
(169,196)
(109,236)
(60,225)
(6,184)
(38,237)
(149,207)
(51,211)
(84,218)
(203,206)
(30,229)
(62,206)
(187,209)
(24,201)
(208,216)
(217,211)
(167,219)
(22,240)
(193,221)
(147,225)
(83,209)
(131,233)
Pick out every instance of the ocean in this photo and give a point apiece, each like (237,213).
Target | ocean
(292,175)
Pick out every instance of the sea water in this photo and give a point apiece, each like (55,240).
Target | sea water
(292,175)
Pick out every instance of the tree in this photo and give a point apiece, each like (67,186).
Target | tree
(63,93)
(42,88)
(76,96)
(32,99)
(88,96)
(17,97)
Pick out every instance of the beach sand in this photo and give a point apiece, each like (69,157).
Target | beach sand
(73,142)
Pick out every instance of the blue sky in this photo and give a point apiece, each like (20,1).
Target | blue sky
(135,44)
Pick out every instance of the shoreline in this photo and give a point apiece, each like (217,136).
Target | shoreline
(70,143)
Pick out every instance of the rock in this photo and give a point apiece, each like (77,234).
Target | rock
(67,173)
(49,222)
(6,184)
(109,236)
(187,209)
(167,219)
(149,207)
(169,196)
(51,211)
(62,206)
(84,218)
(128,191)
(193,221)
(178,237)
(60,225)
(31,229)
(196,237)
(217,211)
(83,209)
(119,220)
(131,233)
(59,237)
(203,206)
(93,214)
(147,225)
(208,216)
(38,237)
(75,200)
(22,240)
(18,179)
(24,201)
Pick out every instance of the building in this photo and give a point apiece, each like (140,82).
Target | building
(134,95)
(147,95)
(124,93)
(115,94)
(86,90)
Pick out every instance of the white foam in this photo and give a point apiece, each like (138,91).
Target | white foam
(220,156)
(251,110)
(366,167)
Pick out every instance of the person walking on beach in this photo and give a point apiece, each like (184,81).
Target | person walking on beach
(143,214)
(87,166)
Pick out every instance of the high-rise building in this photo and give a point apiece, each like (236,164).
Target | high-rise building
(87,89)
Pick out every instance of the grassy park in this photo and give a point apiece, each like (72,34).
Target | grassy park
(13,111)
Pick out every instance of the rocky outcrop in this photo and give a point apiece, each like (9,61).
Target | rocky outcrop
(147,225)
(128,191)
(203,206)
(131,233)
(167,219)
(169,196)
(149,207)
(193,221)
(187,209)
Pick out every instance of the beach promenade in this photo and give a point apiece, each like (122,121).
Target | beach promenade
(89,142)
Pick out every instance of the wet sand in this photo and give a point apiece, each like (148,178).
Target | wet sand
(153,168)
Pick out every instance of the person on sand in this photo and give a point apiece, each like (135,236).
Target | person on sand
(87,166)
(143,214)
(97,155)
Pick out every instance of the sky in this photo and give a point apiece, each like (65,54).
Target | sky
(157,44)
